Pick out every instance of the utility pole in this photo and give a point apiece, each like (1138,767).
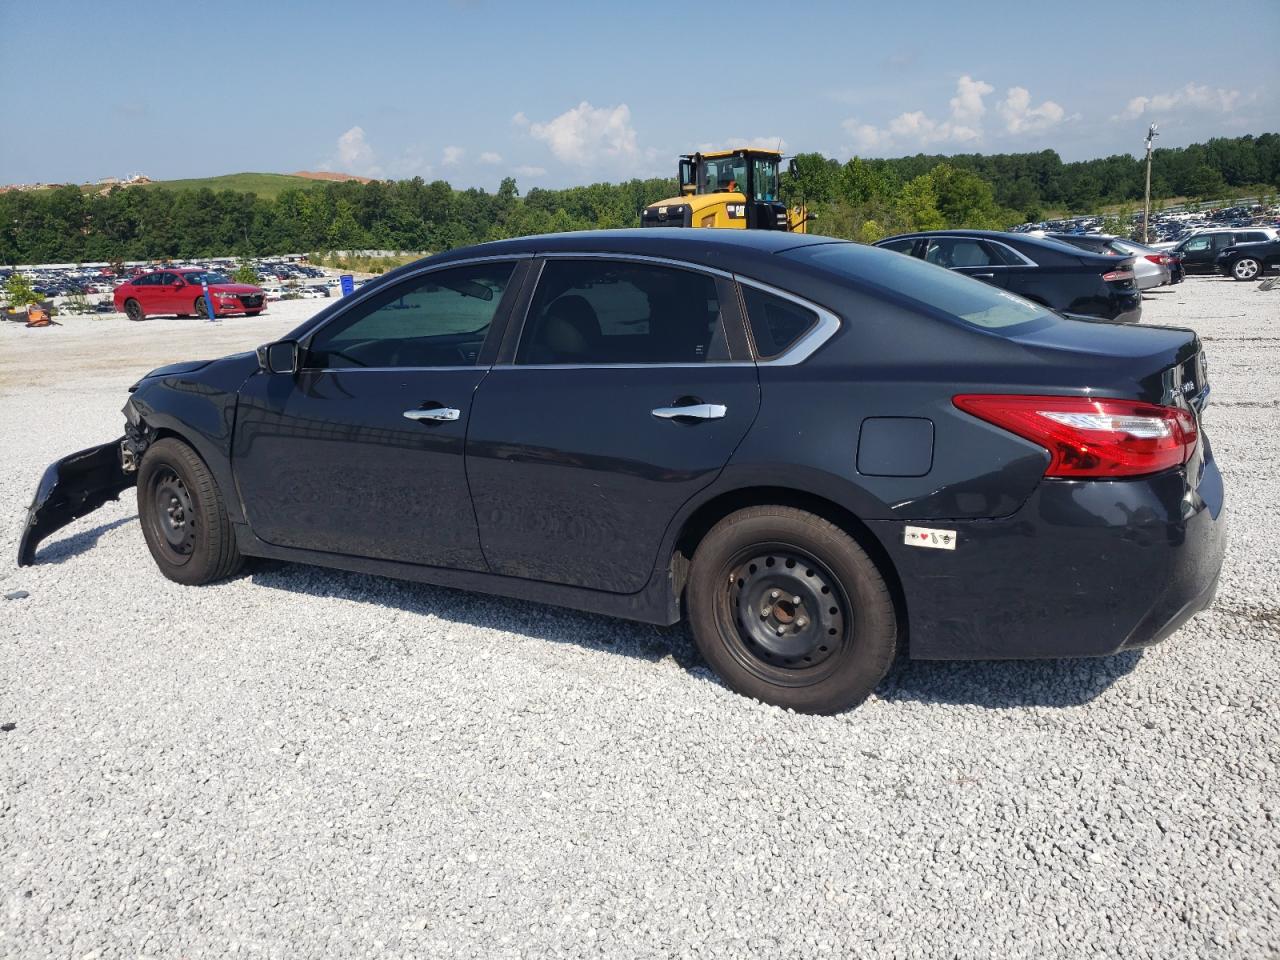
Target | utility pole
(1146,205)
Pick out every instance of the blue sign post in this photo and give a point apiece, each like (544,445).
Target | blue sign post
(348,284)
(208,301)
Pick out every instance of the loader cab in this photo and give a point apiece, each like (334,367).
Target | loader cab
(727,188)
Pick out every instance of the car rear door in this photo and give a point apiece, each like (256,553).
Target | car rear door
(625,392)
(361,452)
(971,256)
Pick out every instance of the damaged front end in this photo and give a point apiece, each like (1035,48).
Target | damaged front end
(77,485)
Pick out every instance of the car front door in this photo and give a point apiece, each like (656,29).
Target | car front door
(360,452)
(1198,253)
(628,391)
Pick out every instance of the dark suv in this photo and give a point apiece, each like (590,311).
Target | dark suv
(1074,282)
(814,451)
(1199,252)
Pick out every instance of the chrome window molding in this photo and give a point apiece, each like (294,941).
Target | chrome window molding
(640,258)
(826,327)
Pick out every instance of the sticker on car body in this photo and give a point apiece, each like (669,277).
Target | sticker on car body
(929,537)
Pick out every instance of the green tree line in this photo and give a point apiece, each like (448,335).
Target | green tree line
(860,199)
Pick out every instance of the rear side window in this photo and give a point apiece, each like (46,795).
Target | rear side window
(613,311)
(898,246)
(776,324)
(970,301)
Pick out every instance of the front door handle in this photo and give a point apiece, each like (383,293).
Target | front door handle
(695,411)
(434,413)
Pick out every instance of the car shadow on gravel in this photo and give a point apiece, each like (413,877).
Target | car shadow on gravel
(1000,684)
(60,551)
(996,684)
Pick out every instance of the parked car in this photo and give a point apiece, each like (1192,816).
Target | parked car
(813,449)
(1249,261)
(1199,252)
(181,292)
(1072,281)
(1152,268)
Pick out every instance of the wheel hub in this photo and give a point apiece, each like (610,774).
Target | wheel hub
(788,613)
(174,512)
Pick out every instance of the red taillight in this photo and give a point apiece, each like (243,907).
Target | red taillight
(1160,258)
(1092,438)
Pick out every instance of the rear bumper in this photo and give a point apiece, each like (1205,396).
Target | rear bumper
(1084,568)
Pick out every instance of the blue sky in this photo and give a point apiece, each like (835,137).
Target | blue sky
(576,92)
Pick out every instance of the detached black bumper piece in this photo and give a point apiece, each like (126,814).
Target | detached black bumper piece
(72,487)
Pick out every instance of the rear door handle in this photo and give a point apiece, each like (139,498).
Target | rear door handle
(984,276)
(435,413)
(695,411)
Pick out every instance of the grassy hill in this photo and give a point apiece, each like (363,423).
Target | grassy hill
(266,185)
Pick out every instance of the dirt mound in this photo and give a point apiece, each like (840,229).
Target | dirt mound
(330,175)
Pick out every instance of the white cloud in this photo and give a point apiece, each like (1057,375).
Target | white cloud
(1191,97)
(355,155)
(1020,117)
(585,134)
(964,124)
(490,158)
(452,156)
(525,171)
(967,106)
(519,119)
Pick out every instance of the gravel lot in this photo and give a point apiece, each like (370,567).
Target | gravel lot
(302,762)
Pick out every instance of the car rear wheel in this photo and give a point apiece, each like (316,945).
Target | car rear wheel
(1246,268)
(184,518)
(786,607)
(133,310)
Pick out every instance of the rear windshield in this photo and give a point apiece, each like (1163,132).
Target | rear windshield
(971,301)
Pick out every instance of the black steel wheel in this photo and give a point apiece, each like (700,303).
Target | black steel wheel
(133,310)
(788,608)
(184,519)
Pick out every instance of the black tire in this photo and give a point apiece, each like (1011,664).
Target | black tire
(184,316)
(252,313)
(184,518)
(133,310)
(824,654)
(202,310)
(1246,269)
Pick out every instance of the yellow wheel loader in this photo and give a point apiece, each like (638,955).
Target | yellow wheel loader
(728,188)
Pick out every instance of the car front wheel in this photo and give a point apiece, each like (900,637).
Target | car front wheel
(786,607)
(1246,268)
(184,518)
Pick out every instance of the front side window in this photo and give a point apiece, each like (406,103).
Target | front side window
(205,276)
(1199,243)
(609,312)
(437,320)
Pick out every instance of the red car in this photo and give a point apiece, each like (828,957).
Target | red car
(181,292)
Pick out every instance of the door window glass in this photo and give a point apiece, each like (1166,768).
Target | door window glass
(957,252)
(725,174)
(1199,243)
(766,178)
(437,320)
(775,323)
(606,311)
(898,246)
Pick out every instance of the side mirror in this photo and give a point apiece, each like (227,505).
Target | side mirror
(278,357)
(792,168)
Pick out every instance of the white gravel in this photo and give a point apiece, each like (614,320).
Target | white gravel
(309,763)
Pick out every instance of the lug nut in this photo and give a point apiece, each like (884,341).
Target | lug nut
(796,601)
(774,594)
(802,623)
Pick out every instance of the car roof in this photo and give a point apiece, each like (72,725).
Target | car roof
(1004,236)
(684,243)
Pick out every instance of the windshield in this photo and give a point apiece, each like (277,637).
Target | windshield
(724,174)
(970,301)
(206,276)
